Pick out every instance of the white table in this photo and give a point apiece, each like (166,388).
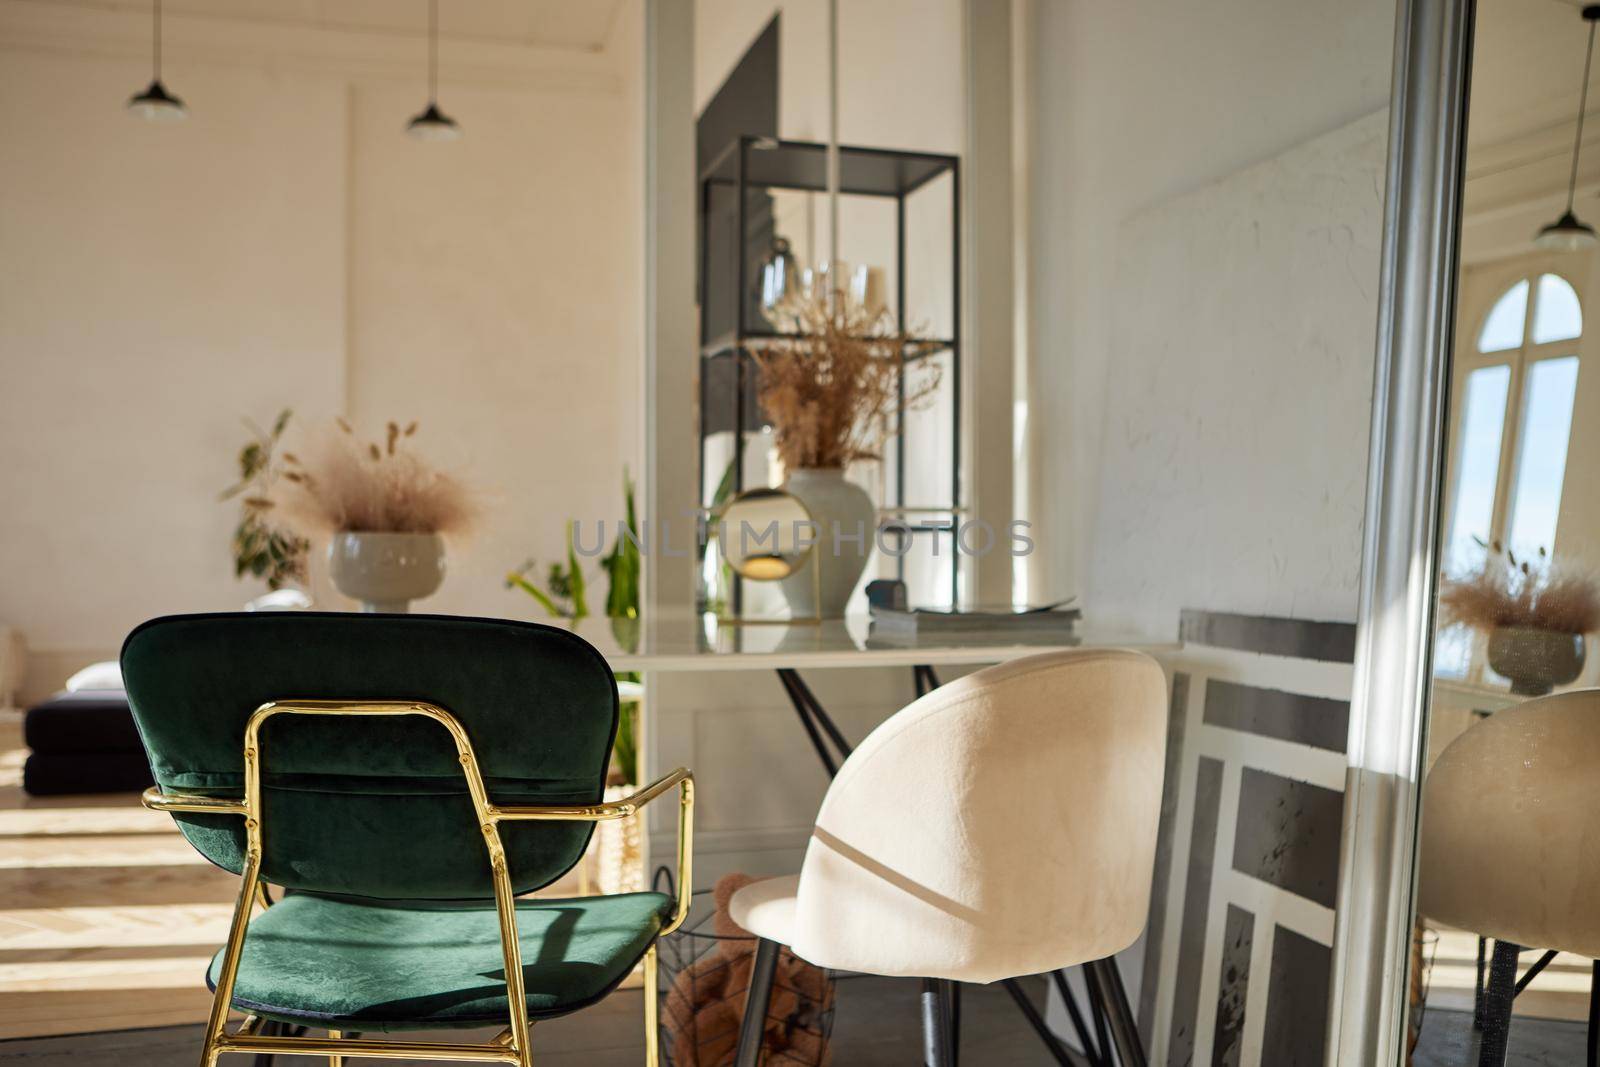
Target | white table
(685,642)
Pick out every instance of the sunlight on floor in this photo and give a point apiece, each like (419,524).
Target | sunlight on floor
(1560,991)
(108,918)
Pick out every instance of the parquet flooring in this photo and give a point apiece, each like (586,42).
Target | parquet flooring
(107,916)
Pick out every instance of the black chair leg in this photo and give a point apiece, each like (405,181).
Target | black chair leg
(1594,1016)
(1105,975)
(1097,1013)
(954,1009)
(756,1003)
(1091,1050)
(1051,1043)
(936,1023)
(1477,992)
(1497,998)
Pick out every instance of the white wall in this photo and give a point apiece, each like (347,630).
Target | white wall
(288,246)
(495,298)
(1133,103)
(1234,458)
(1202,288)
(901,82)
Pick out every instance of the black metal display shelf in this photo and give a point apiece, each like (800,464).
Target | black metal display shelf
(767,163)
(736,229)
(728,342)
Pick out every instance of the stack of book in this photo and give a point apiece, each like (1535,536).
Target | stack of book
(1055,621)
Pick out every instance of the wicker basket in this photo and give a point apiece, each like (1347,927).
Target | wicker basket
(703,979)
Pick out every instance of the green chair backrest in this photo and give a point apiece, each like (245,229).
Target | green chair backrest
(376,807)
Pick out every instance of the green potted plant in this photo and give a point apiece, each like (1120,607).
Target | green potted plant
(262,547)
(563,591)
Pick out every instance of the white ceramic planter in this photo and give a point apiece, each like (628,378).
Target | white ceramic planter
(386,571)
(835,503)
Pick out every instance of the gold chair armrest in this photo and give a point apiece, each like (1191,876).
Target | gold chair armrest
(156,800)
(682,778)
(611,809)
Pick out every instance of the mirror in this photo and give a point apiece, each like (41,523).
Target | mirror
(1508,896)
(765,534)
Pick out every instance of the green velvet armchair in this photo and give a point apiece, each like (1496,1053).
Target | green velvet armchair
(405,780)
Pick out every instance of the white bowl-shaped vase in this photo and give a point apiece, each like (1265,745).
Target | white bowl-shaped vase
(1536,661)
(847,526)
(386,571)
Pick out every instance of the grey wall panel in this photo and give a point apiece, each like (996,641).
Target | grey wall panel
(1177,719)
(1296,1030)
(1196,905)
(1306,720)
(1288,834)
(1269,635)
(1233,987)
(1259,723)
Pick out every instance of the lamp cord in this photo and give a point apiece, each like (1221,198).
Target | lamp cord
(833,158)
(433,52)
(1583,103)
(156,7)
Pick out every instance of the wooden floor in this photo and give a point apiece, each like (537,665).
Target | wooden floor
(1560,991)
(108,918)
(1448,1040)
(876,1025)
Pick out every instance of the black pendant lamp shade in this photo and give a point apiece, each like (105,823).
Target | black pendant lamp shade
(156,104)
(431,124)
(1569,233)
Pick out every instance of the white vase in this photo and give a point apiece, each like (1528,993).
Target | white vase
(1535,661)
(386,571)
(846,529)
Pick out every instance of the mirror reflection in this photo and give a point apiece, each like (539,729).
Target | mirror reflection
(763,534)
(1509,886)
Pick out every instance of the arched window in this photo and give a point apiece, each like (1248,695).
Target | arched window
(1516,378)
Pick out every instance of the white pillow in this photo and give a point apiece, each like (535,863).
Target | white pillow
(280,600)
(107,675)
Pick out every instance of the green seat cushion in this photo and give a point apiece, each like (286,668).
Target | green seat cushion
(345,965)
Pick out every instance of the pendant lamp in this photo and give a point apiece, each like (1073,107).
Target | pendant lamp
(155,104)
(1569,233)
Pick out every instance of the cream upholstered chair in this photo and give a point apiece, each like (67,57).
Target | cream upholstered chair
(1511,843)
(1002,825)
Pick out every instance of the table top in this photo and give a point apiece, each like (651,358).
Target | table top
(688,642)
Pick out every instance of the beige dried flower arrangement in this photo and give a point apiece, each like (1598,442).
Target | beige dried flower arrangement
(832,390)
(1531,594)
(340,484)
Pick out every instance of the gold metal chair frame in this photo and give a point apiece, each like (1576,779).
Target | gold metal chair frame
(512,1044)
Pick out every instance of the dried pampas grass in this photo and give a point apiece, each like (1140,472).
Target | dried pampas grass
(831,391)
(1529,594)
(339,484)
